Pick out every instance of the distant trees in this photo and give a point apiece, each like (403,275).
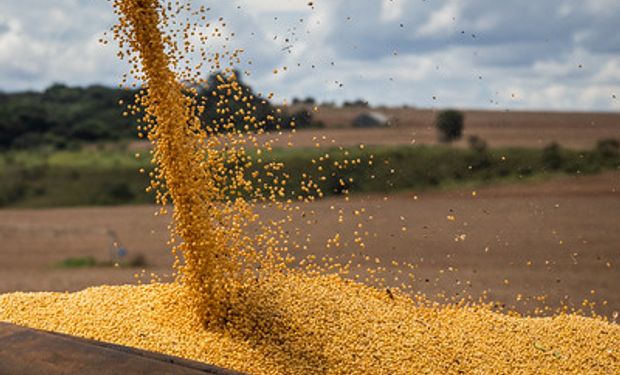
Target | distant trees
(62,116)
(264,114)
(357,103)
(553,156)
(608,147)
(308,101)
(449,124)
(477,144)
(303,119)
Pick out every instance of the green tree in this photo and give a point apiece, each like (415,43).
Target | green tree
(608,148)
(449,124)
(552,156)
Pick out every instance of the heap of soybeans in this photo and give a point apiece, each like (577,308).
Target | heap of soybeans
(236,301)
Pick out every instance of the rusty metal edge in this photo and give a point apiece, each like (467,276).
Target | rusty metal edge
(167,359)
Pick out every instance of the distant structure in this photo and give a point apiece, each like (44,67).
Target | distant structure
(371,120)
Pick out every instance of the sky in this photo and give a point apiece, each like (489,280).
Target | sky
(508,54)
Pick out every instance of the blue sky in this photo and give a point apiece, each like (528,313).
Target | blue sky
(509,54)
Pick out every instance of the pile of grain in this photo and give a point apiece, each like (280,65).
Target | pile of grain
(307,325)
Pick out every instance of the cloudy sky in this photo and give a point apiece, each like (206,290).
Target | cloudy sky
(508,54)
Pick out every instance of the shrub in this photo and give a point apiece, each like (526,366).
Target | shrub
(449,124)
(137,261)
(303,120)
(84,262)
(477,144)
(608,148)
(357,103)
(117,192)
(552,157)
(12,191)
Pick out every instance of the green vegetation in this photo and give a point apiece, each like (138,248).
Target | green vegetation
(110,177)
(608,148)
(449,124)
(90,262)
(305,120)
(63,117)
(383,169)
(83,262)
(44,178)
(476,143)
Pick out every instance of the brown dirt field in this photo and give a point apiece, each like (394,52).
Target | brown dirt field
(568,228)
(498,128)
(578,130)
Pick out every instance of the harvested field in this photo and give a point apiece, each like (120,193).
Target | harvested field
(579,130)
(499,128)
(567,228)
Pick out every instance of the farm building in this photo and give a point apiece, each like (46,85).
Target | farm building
(371,120)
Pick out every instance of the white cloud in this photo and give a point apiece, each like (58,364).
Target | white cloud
(480,53)
(609,71)
(19,53)
(442,21)
(391,10)
(603,8)
(273,6)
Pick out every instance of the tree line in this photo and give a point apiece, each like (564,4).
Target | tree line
(62,116)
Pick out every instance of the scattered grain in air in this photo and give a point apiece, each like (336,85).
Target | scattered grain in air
(235,303)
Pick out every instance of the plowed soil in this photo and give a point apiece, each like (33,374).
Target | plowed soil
(557,238)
